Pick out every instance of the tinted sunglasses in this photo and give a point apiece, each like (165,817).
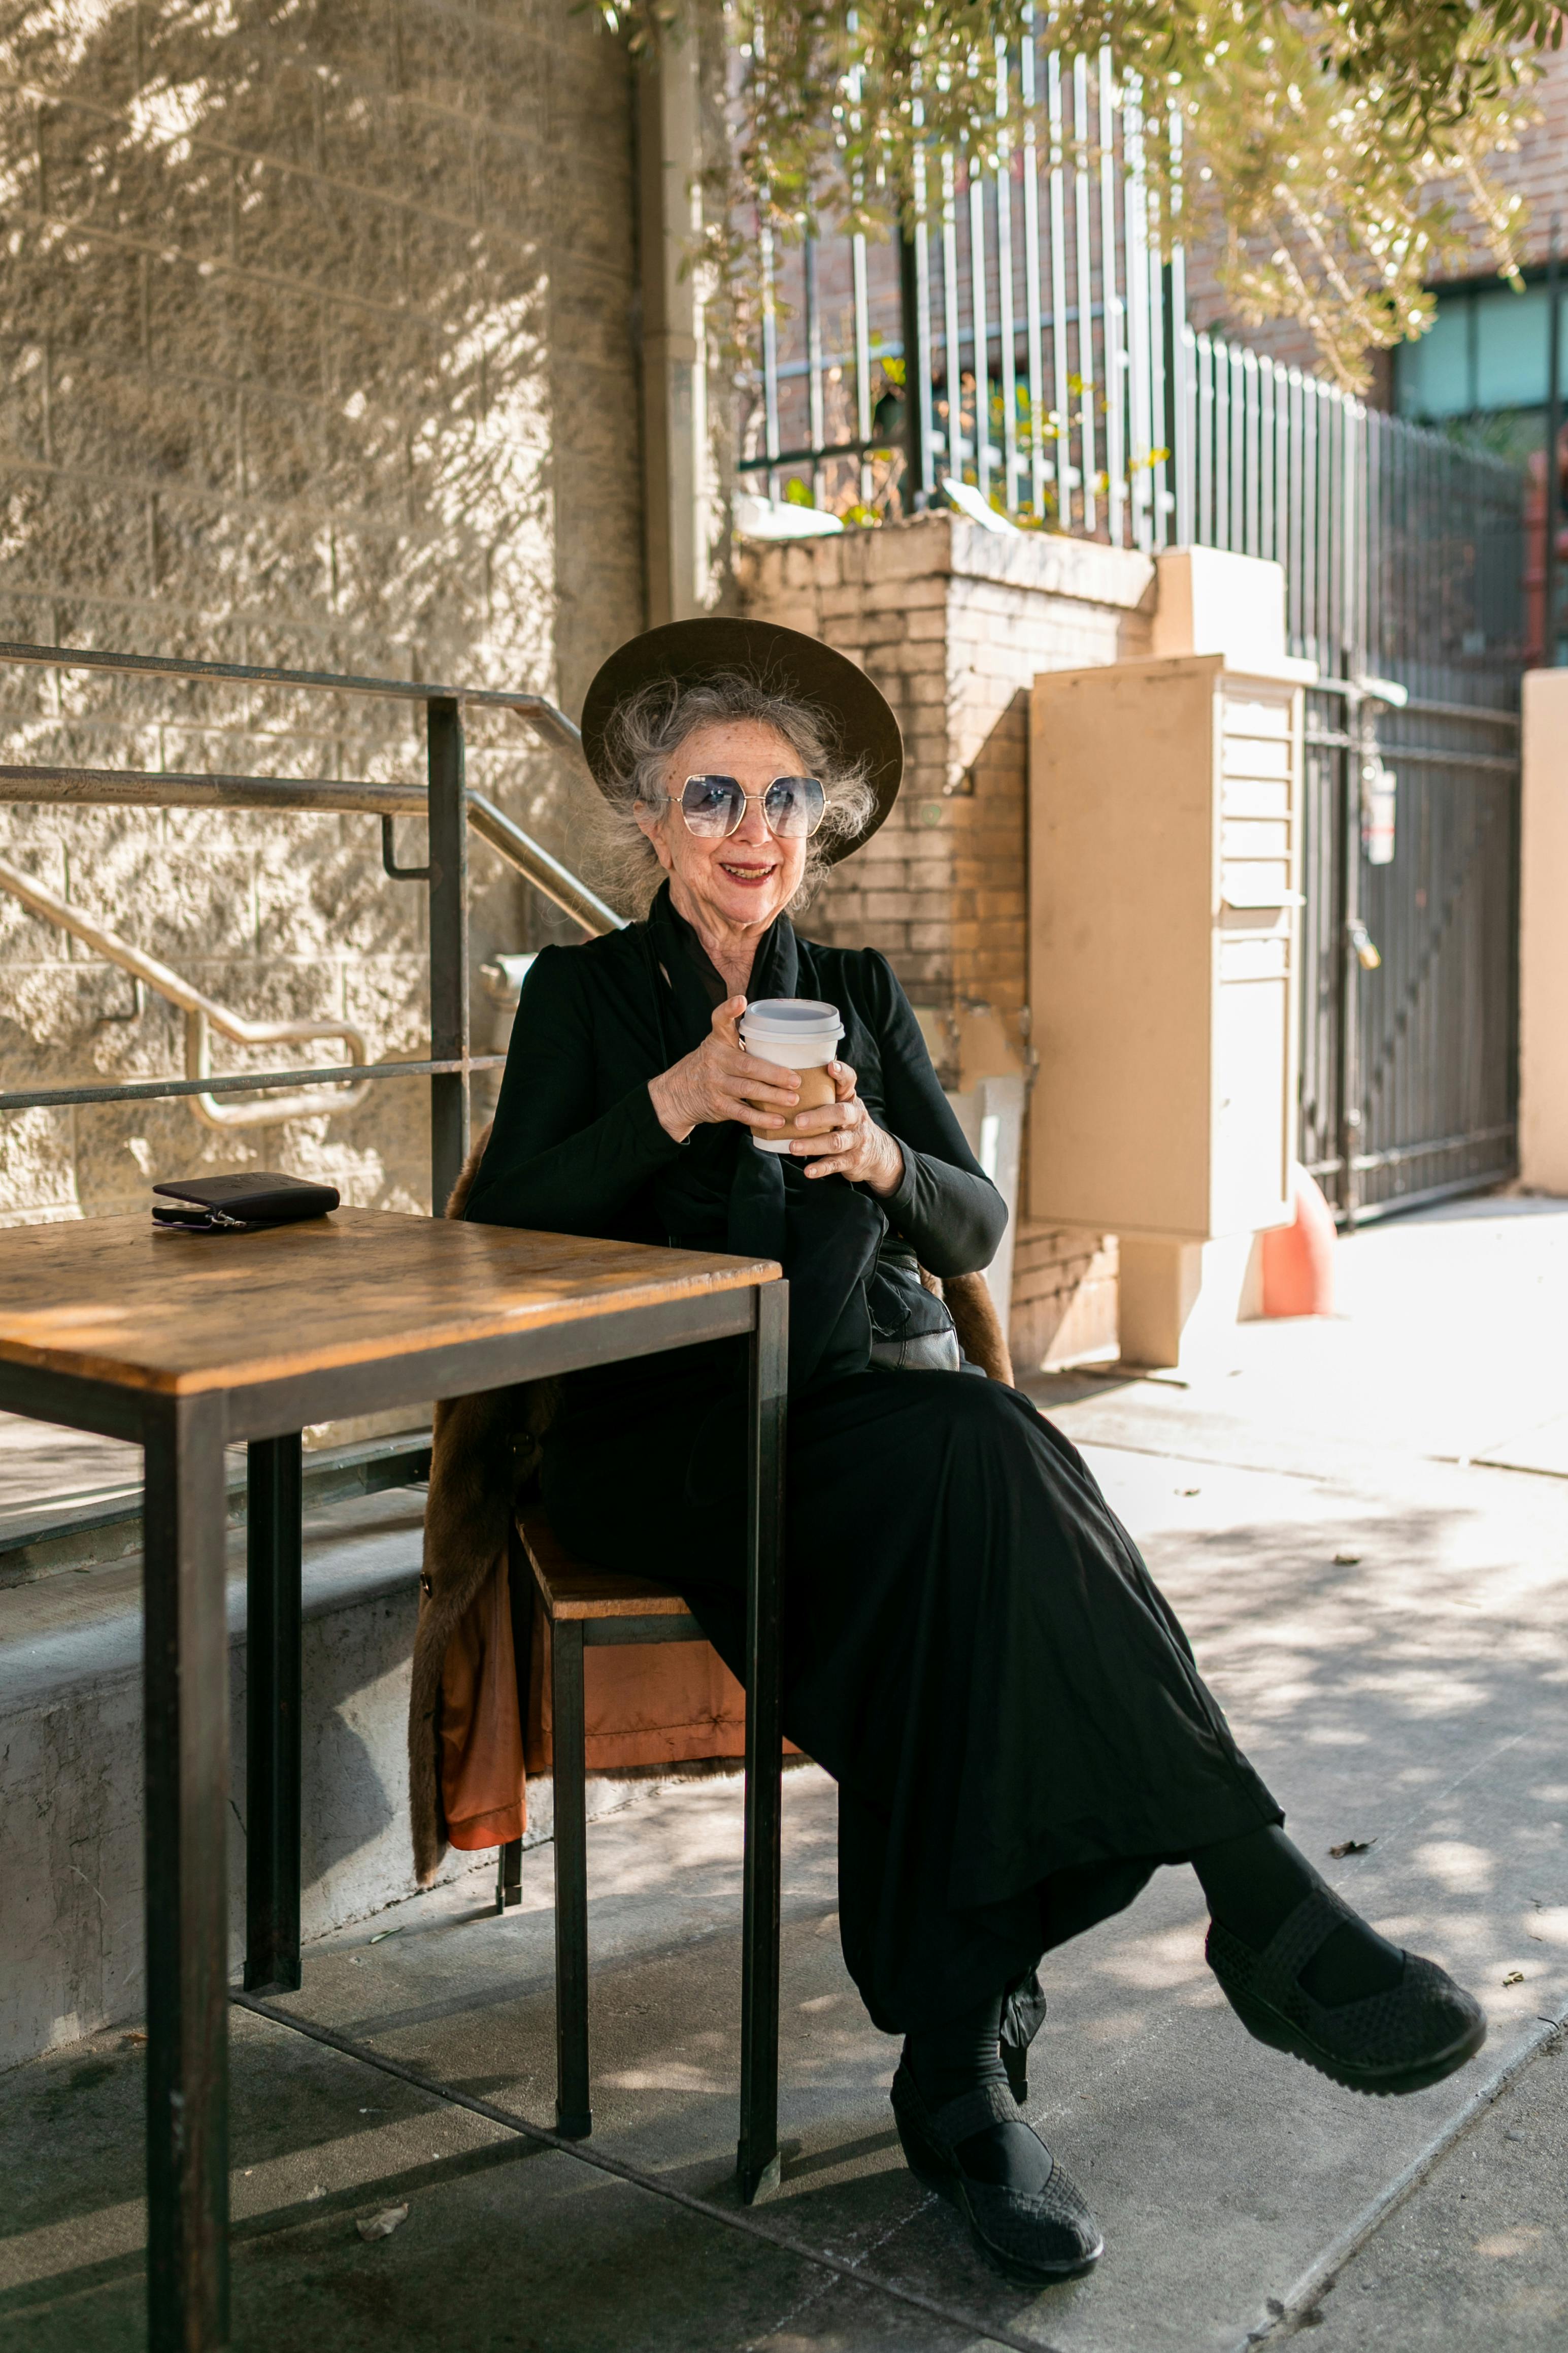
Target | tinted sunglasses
(793,807)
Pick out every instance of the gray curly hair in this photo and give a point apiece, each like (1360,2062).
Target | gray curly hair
(651,724)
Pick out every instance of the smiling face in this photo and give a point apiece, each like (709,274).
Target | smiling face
(744,880)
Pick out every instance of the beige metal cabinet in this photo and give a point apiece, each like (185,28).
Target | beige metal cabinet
(1164,821)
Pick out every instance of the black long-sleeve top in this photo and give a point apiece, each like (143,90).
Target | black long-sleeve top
(577,1147)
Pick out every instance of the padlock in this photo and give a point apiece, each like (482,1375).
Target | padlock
(1368,956)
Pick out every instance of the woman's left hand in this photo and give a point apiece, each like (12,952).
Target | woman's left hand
(842,1139)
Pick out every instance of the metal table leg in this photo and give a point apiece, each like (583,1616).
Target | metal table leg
(185,1698)
(272,1728)
(573,2108)
(757,2157)
(449,871)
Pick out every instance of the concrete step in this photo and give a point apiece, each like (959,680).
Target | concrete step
(71,1764)
(91,1527)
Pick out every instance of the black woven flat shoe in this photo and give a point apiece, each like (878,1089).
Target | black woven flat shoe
(1029,2238)
(1399,2040)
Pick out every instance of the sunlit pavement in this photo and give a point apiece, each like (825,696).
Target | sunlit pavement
(1381,1610)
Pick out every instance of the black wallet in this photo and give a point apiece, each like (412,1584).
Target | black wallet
(241,1204)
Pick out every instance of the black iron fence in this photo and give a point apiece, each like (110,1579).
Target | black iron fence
(1398,545)
(1409,1087)
(1403,553)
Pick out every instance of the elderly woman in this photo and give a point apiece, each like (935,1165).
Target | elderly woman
(974,1650)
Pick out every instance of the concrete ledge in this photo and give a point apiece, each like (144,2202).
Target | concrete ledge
(70,1767)
(99,1526)
(943,544)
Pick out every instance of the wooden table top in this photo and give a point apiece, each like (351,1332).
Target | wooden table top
(118,1300)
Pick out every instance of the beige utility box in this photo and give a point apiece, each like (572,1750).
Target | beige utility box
(1164,845)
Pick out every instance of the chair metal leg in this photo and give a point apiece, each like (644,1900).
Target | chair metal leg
(185,1735)
(574,2114)
(757,2157)
(520,1591)
(274,1550)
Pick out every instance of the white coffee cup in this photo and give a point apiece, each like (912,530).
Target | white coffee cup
(803,1034)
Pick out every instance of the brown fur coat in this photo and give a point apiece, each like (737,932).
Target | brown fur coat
(484,1450)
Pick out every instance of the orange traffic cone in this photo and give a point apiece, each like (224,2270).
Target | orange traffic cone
(1298,1259)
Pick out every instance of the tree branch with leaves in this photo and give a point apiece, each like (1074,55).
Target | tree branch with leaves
(1335,156)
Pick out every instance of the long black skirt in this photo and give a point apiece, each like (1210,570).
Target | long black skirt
(974,1651)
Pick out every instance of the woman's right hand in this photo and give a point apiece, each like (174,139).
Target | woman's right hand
(720,1081)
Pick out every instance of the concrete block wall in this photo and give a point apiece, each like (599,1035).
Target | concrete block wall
(316,349)
(954,622)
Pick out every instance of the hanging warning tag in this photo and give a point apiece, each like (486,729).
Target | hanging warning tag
(1379,798)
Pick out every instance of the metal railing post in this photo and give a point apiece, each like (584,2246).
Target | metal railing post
(448,946)
(914,497)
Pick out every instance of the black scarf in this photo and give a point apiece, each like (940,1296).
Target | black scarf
(723,1194)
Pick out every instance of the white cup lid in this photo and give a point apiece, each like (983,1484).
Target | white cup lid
(792,1021)
(787,1012)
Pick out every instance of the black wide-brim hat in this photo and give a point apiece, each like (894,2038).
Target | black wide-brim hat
(783,662)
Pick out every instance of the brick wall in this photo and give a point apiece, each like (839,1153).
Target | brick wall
(316,349)
(1537,171)
(954,621)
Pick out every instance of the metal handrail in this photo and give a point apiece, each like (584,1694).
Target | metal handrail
(557,882)
(152,788)
(541,715)
(203,1014)
(1480,714)
(1429,755)
(167,788)
(451,807)
(247,1082)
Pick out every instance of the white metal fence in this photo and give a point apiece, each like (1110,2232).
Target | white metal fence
(1035,306)
(1044,344)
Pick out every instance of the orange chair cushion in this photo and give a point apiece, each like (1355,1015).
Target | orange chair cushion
(642,1703)
(646,1704)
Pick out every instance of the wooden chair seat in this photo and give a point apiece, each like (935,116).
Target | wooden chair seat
(571,1588)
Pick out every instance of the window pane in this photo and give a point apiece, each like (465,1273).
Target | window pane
(1485,351)
(1511,348)
(1432,376)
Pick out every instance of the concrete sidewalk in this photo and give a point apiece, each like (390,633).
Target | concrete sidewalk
(1386,1627)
